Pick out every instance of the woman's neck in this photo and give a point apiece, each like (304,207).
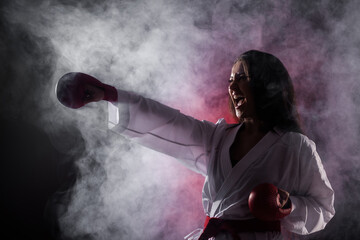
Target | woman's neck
(253,126)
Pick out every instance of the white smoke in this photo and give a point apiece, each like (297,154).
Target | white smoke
(180,53)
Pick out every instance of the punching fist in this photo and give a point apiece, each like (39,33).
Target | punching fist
(269,203)
(76,89)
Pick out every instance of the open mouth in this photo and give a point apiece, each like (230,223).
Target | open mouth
(238,100)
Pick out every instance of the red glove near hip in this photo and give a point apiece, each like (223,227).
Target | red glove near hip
(71,89)
(269,203)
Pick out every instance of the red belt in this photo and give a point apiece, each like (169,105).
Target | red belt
(213,226)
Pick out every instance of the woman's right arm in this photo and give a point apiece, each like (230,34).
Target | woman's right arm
(163,129)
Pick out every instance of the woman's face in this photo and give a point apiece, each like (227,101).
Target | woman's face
(240,93)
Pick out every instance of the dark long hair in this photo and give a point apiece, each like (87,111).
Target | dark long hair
(272,89)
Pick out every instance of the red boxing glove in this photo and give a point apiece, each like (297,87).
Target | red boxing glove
(268,203)
(72,89)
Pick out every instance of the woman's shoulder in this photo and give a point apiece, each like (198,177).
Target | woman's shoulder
(298,140)
(221,123)
(224,128)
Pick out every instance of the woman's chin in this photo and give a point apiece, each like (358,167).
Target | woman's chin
(238,117)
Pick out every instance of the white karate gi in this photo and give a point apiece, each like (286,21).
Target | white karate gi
(288,160)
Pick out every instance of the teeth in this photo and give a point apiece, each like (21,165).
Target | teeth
(237,96)
(240,102)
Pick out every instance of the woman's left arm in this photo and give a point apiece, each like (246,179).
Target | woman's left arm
(314,208)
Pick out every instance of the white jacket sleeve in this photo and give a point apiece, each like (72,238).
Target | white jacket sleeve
(313,204)
(164,129)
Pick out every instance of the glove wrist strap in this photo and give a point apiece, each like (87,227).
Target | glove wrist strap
(110,93)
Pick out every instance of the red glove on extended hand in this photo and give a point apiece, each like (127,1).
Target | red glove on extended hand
(74,89)
(269,203)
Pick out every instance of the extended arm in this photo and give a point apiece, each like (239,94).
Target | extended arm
(148,122)
(164,129)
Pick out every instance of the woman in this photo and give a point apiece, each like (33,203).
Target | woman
(266,146)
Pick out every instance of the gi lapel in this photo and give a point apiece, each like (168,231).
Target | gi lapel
(267,141)
(224,154)
(218,154)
